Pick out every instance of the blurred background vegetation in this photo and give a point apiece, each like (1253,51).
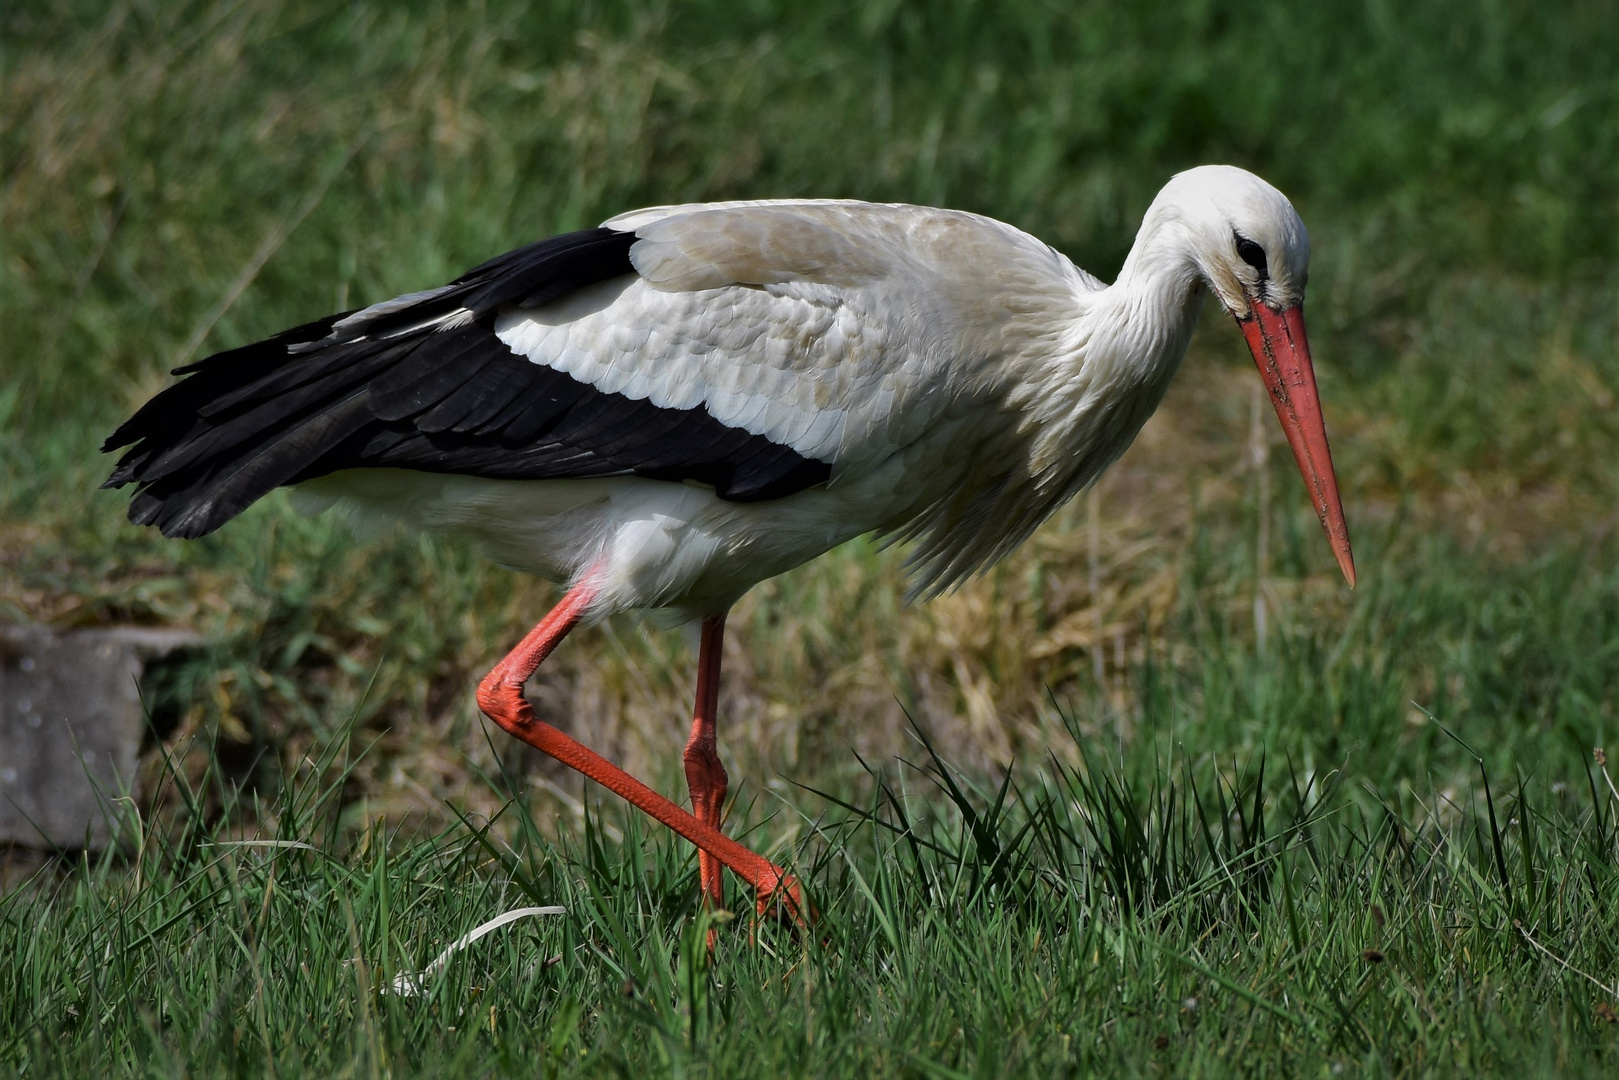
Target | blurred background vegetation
(178,178)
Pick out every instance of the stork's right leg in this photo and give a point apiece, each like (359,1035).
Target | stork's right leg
(705,775)
(500,696)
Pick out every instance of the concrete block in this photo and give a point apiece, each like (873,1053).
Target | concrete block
(70,729)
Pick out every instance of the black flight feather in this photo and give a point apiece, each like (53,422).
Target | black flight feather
(422,382)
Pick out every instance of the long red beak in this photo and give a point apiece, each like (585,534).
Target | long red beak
(1283,354)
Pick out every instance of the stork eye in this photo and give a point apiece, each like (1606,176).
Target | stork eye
(1254,255)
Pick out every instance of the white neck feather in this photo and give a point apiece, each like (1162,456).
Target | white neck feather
(1080,396)
(1120,356)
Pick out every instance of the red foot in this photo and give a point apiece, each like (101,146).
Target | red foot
(784,903)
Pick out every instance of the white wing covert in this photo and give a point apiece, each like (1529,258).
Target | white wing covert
(823,326)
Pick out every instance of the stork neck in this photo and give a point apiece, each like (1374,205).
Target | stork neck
(1162,267)
(1147,315)
(1093,395)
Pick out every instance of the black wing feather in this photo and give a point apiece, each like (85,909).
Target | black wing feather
(387,388)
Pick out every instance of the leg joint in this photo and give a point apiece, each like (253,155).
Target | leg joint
(702,758)
(501,699)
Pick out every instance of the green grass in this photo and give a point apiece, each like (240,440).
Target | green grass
(1179,914)
(1196,810)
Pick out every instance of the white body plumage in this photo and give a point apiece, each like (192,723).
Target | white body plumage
(962,378)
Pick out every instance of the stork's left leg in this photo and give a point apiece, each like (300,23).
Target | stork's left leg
(705,776)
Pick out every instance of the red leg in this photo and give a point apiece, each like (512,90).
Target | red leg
(705,776)
(500,696)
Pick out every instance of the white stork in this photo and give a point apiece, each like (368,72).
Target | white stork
(667,409)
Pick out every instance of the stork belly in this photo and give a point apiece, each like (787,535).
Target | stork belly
(657,544)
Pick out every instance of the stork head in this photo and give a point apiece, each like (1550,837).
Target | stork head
(1244,237)
(1251,250)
